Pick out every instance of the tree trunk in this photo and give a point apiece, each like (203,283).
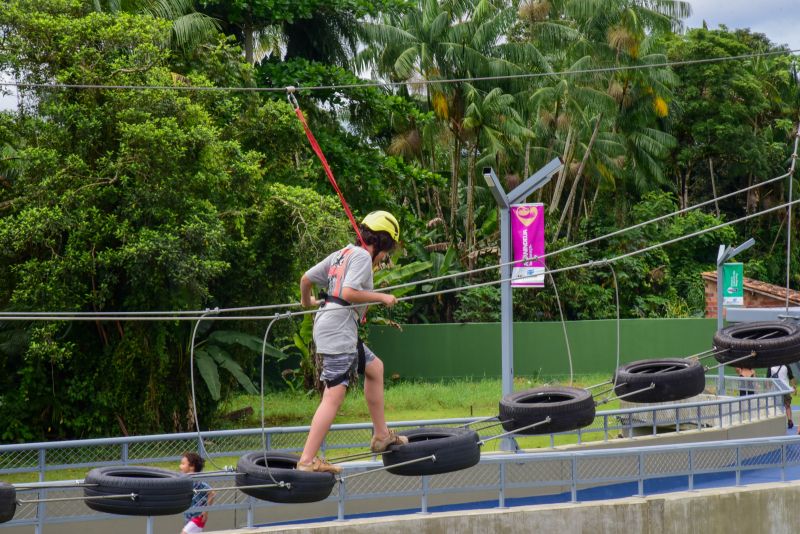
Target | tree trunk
(470,225)
(416,198)
(682,194)
(438,206)
(527,169)
(594,200)
(562,176)
(713,185)
(540,191)
(454,171)
(571,197)
(249,43)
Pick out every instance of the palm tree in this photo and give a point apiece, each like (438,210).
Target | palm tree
(494,127)
(443,41)
(608,111)
(189,27)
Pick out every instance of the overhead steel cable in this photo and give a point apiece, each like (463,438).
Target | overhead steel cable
(162,315)
(588,241)
(606,261)
(592,263)
(598,70)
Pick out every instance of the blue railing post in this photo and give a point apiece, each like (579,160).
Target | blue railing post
(501,498)
(340,505)
(641,477)
(574,482)
(738,466)
(424,503)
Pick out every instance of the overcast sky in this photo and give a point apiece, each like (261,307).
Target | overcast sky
(778,19)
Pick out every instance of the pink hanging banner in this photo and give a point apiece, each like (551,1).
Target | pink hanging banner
(527,241)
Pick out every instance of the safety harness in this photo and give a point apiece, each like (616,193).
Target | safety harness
(336,273)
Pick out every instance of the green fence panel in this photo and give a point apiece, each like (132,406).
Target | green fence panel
(473,349)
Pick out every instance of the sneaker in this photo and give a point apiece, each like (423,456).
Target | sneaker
(380,445)
(318,465)
(790,424)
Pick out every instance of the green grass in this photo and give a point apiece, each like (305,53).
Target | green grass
(405,401)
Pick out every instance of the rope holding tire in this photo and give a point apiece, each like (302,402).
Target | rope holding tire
(8,502)
(673,379)
(156,491)
(568,409)
(773,342)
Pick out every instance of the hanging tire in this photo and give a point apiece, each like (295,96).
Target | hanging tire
(568,408)
(454,449)
(774,343)
(158,491)
(674,379)
(303,486)
(8,502)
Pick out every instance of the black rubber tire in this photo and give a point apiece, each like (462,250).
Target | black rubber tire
(160,492)
(674,379)
(304,486)
(568,408)
(454,449)
(8,502)
(781,348)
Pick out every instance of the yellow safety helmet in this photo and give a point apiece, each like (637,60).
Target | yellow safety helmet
(378,221)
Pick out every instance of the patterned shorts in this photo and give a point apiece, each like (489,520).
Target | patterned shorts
(334,365)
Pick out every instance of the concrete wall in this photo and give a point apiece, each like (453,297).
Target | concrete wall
(473,349)
(759,508)
(223,520)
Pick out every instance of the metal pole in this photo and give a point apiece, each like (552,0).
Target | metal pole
(251,516)
(340,504)
(726,253)
(41,507)
(504,201)
(720,261)
(506,319)
(424,500)
(501,498)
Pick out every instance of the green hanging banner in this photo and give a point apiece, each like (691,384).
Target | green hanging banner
(733,284)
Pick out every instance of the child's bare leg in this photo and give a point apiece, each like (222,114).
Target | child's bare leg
(323,419)
(373,393)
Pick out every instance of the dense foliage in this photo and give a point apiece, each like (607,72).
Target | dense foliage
(180,199)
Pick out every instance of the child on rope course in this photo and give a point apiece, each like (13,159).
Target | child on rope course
(347,276)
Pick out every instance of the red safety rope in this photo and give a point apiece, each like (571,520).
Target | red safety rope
(318,151)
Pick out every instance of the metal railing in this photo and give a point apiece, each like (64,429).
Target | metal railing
(551,472)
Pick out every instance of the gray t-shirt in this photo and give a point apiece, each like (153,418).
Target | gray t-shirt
(336,328)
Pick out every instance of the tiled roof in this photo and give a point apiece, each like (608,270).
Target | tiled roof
(762,288)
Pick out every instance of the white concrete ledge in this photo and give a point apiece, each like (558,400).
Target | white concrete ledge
(759,508)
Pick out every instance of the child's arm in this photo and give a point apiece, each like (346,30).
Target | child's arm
(306,298)
(209,500)
(359,296)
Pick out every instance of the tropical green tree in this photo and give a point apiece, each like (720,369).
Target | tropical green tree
(135,201)
(493,128)
(316,30)
(443,41)
(189,27)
